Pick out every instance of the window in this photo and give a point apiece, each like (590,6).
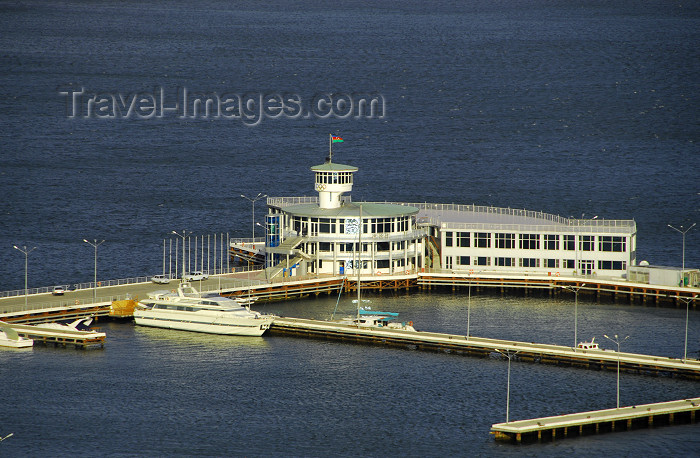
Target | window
(505,240)
(325,246)
(569,263)
(505,262)
(448,262)
(482,261)
(348,247)
(448,238)
(402,224)
(380,225)
(464,260)
(551,242)
(551,263)
(482,240)
(529,241)
(570,243)
(585,242)
(382,246)
(612,265)
(463,239)
(611,243)
(529,262)
(326,226)
(382,263)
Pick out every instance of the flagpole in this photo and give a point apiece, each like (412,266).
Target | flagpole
(330,147)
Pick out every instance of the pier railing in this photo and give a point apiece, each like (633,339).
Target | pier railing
(427,208)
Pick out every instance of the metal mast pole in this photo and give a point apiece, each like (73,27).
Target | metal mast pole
(26,267)
(94,285)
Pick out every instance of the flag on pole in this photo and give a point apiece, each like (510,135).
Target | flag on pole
(336,140)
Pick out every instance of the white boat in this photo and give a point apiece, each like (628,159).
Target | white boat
(588,345)
(367,318)
(376,319)
(10,338)
(81,324)
(188,310)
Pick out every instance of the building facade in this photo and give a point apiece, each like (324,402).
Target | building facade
(330,234)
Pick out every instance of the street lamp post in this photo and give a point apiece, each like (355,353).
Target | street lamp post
(184,236)
(95,244)
(617,341)
(469,304)
(687,311)
(575,289)
(26,267)
(508,354)
(252,201)
(683,262)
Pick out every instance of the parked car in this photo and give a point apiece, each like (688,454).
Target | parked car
(58,291)
(196,276)
(161,279)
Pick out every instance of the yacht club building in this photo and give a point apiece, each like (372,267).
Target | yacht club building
(330,234)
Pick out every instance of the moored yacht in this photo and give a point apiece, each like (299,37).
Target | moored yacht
(188,310)
(376,319)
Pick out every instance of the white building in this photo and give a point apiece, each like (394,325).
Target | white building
(332,235)
(321,235)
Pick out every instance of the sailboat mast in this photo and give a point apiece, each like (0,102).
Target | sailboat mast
(359,263)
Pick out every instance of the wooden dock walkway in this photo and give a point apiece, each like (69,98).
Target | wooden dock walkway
(598,421)
(483,347)
(63,337)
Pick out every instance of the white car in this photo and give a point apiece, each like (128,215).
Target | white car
(196,276)
(161,279)
(58,291)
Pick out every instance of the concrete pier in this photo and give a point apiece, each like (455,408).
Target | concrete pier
(598,421)
(483,347)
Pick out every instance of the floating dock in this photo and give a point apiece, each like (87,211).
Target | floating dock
(598,421)
(483,347)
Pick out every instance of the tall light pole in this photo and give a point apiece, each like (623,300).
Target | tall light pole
(574,289)
(469,304)
(687,310)
(26,267)
(683,265)
(252,201)
(95,244)
(508,354)
(184,236)
(617,341)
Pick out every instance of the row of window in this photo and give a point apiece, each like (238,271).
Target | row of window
(535,241)
(378,264)
(313,226)
(352,247)
(334,177)
(533,262)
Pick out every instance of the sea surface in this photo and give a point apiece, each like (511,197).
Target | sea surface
(579,109)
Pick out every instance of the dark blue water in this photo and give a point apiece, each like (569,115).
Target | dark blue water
(563,107)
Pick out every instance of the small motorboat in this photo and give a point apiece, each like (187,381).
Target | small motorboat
(592,345)
(81,324)
(10,338)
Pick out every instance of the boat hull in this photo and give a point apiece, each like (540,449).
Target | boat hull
(22,342)
(232,326)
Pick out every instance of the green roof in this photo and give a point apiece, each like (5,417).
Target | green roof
(351,209)
(333,167)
